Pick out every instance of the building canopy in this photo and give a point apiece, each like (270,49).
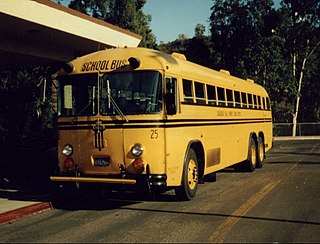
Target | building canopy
(40,32)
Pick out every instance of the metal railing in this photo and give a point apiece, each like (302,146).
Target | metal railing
(303,129)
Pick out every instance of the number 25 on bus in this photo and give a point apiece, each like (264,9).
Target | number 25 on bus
(150,120)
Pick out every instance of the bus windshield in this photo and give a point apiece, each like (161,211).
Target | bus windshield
(129,93)
(78,95)
(136,92)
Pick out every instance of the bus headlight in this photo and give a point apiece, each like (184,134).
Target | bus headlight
(67,150)
(137,150)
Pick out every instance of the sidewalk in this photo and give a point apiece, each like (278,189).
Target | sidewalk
(15,204)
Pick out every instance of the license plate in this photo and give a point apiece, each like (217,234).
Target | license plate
(104,161)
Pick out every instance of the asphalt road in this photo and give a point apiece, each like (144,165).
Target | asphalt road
(278,203)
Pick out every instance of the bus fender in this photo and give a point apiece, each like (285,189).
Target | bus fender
(197,146)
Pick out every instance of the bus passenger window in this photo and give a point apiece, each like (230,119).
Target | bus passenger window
(229,98)
(244,99)
(187,91)
(211,94)
(264,103)
(268,104)
(250,100)
(237,99)
(255,104)
(259,102)
(221,96)
(200,96)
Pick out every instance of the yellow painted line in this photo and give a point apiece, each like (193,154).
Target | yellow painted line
(219,234)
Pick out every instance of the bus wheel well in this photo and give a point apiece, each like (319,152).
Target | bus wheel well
(198,148)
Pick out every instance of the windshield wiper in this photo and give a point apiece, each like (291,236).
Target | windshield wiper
(112,102)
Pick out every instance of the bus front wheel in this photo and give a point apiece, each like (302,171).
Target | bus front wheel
(190,176)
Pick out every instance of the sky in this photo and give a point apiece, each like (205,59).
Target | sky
(173,17)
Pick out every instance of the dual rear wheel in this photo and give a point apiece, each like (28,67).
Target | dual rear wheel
(256,155)
(190,175)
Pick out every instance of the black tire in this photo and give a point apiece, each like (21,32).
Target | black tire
(190,177)
(250,164)
(252,156)
(260,153)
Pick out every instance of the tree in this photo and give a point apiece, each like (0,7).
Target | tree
(302,32)
(238,30)
(245,40)
(199,31)
(178,45)
(126,14)
(25,137)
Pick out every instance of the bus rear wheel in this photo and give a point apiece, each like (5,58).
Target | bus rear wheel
(260,152)
(252,156)
(190,177)
(250,163)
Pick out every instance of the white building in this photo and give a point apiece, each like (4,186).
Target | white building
(38,32)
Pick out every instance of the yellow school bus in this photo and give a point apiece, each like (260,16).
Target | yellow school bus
(140,117)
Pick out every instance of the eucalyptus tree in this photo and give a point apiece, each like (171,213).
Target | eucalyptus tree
(301,29)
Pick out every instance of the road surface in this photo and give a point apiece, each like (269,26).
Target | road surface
(278,203)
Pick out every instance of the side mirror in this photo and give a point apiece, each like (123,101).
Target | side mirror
(42,86)
(171,107)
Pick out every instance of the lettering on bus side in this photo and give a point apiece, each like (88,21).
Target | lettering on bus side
(221,113)
(103,65)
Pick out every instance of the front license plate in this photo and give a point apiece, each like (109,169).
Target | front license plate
(104,161)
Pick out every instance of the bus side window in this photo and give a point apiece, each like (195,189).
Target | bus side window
(250,100)
(187,91)
(264,103)
(259,102)
(229,98)
(170,96)
(211,94)
(221,96)
(237,99)
(200,95)
(244,99)
(255,104)
(268,103)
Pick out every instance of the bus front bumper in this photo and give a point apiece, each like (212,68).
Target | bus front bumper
(93,180)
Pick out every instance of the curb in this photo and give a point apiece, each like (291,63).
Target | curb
(295,138)
(21,212)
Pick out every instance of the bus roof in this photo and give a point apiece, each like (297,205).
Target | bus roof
(176,64)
